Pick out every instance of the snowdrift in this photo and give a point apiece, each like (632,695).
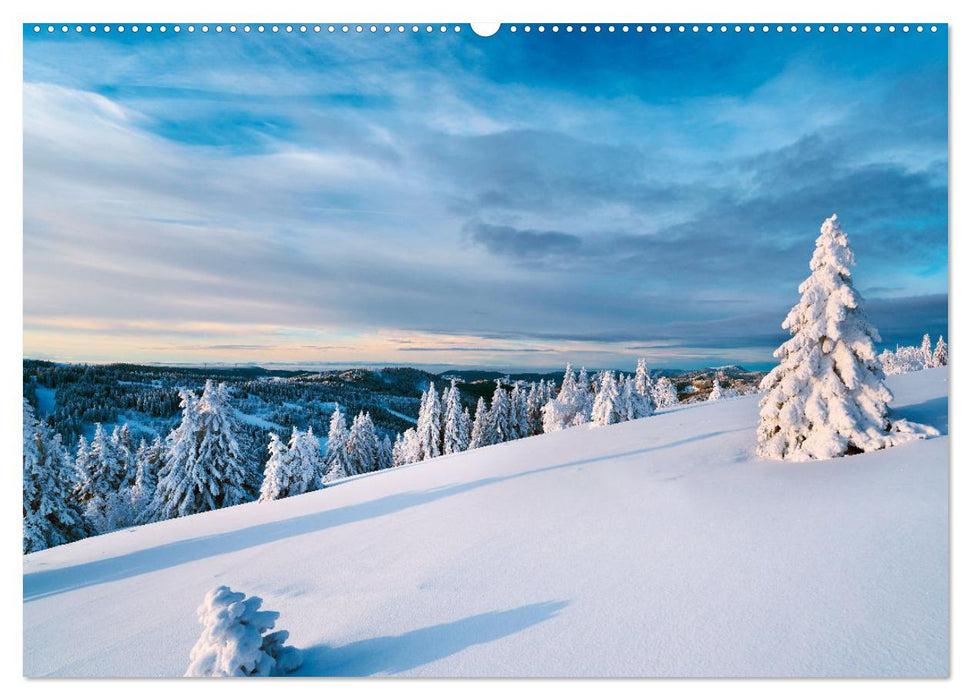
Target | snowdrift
(658,547)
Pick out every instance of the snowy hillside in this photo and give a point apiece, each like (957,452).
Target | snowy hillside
(657,547)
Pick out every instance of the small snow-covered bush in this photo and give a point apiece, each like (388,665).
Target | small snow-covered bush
(233,642)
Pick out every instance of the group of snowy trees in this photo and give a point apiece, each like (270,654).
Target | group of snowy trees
(911,358)
(827,398)
(113,483)
(354,450)
(446,427)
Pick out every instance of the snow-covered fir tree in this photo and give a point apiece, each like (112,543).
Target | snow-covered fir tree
(335,457)
(664,392)
(203,468)
(219,453)
(276,475)
(826,398)
(465,429)
(535,401)
(628,398)
(362,445)
(309,470)
(716,390)
(585,397)
(406,448)
(606,405)
(148,462)
(429,426)
(518,412)
(84,486)
(939,359)
(569,406)
(642,395)
(385,453)
(500,419)
(105,490)
(51,515)
(235,639)
(455,432)
(927,351)
(481,435)
(291,469)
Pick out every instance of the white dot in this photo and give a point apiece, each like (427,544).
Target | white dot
(934,28)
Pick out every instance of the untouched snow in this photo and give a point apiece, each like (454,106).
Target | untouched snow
(658,547)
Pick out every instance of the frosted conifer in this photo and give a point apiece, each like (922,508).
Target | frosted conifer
(234,640)
(429,427)
(664,392)
(51,516)
(606,405)
(826,398)
(480,436)
(335,457)
(940,353)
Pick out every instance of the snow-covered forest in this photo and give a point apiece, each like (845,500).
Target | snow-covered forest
(208,459)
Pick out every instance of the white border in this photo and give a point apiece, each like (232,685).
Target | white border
(441,11)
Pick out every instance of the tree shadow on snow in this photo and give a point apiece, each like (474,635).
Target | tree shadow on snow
(398,654)
(40,584)
(932,412)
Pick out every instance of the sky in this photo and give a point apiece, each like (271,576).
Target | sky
(449,200)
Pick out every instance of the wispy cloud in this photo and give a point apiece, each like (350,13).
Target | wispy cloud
(313,198)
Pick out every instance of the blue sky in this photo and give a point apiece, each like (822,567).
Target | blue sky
(446,199)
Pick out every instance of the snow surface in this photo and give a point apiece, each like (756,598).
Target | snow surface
(657,547)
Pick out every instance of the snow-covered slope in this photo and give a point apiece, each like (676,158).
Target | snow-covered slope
(655,547)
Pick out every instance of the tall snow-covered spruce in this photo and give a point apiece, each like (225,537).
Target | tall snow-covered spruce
(826,398)
(51,514)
